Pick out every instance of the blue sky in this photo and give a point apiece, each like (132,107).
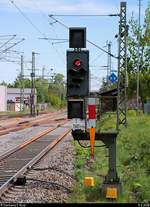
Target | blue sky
(99,30)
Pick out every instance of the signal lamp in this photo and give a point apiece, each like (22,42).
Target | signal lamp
(77,63)
(77,74)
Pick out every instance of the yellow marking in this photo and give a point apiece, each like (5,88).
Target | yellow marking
(89,181)
(111,192)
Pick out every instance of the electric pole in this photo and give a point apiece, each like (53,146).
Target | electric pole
(32,99)
(108,63)
(122,69)
(43,70)
(22,85)
(138,54)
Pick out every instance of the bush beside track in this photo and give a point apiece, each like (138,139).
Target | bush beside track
(133,163)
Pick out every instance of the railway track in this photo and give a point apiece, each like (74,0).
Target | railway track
(14,163)
(4,117)
(19,125)
(13,121)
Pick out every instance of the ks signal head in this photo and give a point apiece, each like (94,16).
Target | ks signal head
(77,63)
(77,73)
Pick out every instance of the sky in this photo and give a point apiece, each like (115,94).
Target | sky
(31,21)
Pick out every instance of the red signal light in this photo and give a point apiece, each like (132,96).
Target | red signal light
(77,63)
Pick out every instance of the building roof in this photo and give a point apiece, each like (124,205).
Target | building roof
(110,92)
(17,90)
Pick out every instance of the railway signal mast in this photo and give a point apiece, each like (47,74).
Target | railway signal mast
(78,96)
(77,73)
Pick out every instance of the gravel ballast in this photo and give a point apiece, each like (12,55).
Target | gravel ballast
(48,186)
(11,140)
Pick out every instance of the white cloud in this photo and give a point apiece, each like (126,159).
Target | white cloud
(62,6)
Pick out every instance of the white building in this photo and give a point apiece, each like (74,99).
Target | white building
(3,98)
(10,98)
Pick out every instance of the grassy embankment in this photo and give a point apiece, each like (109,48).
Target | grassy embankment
(133,162)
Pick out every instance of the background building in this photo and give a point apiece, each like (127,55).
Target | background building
(3,98)
(10,98)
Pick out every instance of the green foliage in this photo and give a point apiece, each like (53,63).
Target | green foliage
(133,163)
(42,89)
(84,168)
(53,100)
(136,33)
(144,74)
(107,122)
(52,92)
(3,83)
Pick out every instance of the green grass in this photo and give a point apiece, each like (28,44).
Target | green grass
(133,162)
(107,123)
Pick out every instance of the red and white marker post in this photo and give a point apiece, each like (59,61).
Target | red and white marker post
(92,123)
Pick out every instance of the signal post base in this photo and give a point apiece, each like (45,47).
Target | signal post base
(111,191)
(111,187)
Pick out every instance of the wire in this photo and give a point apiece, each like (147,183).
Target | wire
(12,46)
(84,15)
(47,38)
(6,35)
(21,12)
(45,17)
(7,60)
(58,53)
(102,49)
(15,51)
(62,53)
(50,183)
(8,41)
(51,16)
(33,25)
(98,56)
(14,57)
(99,66)
(54,43)
(42,13)
(56,20)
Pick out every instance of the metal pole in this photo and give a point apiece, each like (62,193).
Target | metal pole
(22,86)
(109,62)
(138,54)
(125,73)
(112,161)
(43,69)
(33,85)
(118,84)
(122,68)
(110,57)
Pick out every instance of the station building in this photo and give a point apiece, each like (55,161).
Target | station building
(10,98)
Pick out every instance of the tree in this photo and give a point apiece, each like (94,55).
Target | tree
(57,86)
(144,69)
(59,79)
(3,83)
(42,89)
(52,93)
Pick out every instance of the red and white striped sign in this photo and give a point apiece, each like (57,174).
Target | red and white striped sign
(92,123)
(92,112)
